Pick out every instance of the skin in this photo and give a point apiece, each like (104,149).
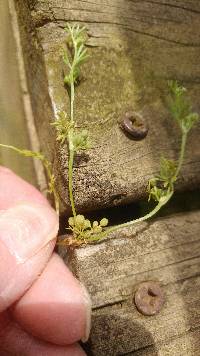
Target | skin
(44,310)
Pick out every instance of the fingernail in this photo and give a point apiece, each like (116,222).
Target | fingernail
(26,228)
(88,309)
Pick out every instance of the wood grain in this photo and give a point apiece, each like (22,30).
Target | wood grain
(167,251)
(134,47)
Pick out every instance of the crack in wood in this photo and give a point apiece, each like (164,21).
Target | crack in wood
(166,4)
(128,29)
(121,16)
(107,305)
(171,5)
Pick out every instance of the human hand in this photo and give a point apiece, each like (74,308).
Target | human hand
(44,310)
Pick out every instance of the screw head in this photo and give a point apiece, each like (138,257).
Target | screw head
(134,125)
(149,298)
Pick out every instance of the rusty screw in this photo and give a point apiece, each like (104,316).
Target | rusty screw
(149,298)
(134,125)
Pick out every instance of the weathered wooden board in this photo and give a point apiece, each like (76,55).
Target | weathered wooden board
(13,129)
(167,251)
(134,47)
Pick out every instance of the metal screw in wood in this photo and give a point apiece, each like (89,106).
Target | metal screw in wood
(134,125)
(149,298)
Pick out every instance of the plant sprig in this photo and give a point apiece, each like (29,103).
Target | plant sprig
(67,129)
(62,126)
(46,165)
(76,40)
(161,187)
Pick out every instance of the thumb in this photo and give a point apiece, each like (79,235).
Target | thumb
(27,239)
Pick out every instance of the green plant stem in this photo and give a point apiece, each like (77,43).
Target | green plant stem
(72,102)
(13,148)
(182,153)
(132,222)
(50,177)
(160,204)
(70,178)
(70,137)
(46,164)
(71,150)
(72,80)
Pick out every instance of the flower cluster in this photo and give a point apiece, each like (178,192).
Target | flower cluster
(83,229)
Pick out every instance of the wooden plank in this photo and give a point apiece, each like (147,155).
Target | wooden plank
(134,47)
(188,344)
(167,251)
(13,129)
